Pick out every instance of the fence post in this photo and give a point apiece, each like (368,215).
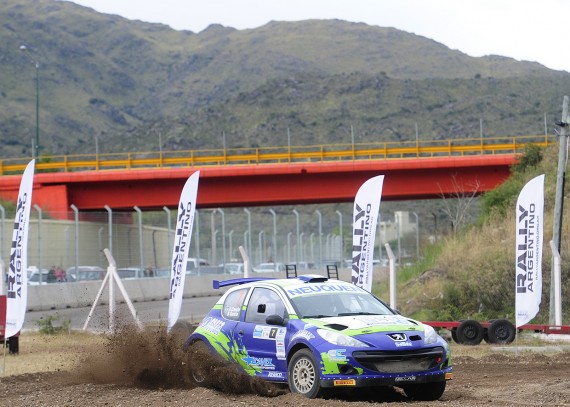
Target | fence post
(110,212)
(37,208)
(138,273)
(76,212)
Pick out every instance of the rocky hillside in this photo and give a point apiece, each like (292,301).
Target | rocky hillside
(129,84)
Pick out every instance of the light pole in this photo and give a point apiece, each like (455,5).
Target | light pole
(36,149)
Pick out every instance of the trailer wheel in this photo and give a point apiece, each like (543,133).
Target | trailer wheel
(501,331)
(470,332)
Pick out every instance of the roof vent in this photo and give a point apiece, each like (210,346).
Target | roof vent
(312,278)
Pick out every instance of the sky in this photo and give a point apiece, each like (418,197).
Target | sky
(529,30)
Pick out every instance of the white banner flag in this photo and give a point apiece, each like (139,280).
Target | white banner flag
(185,220)
(364,219)
(529,227)
(17,282)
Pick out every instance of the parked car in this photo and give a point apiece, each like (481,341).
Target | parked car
(269,268)
(34,276)
(193,264)
(233,268)
(317,334)
(129,272)
(46,277)
(87,273)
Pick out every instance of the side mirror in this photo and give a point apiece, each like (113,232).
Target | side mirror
(274,320)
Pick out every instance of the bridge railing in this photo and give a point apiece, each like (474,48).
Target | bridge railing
(282,154)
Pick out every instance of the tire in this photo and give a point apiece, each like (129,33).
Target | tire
(454,335)
(304,375)
(197,363)
(501,331)
(425,391)
(470,332)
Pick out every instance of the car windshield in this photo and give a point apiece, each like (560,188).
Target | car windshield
(338,305)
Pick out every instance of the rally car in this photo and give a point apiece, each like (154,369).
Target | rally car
(318,334)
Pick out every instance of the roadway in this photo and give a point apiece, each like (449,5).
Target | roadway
(151,312)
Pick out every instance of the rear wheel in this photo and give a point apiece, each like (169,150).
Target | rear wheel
(304,374)
(425,391)
(198,353)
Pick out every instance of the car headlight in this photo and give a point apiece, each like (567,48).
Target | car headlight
(430,336)
(339,339)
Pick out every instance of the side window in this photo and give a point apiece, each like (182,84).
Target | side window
(233,303)
(263,302)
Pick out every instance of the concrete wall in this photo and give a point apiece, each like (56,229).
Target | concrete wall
(83,293)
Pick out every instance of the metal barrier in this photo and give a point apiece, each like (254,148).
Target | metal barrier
(282,154)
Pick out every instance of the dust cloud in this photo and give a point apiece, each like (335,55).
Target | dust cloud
(153,359)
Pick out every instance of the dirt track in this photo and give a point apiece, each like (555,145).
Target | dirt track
(146,370)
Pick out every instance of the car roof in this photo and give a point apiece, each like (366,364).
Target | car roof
(279,282)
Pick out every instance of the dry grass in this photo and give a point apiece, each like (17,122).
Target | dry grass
(49,353)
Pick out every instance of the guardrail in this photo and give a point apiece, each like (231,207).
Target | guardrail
(282,154)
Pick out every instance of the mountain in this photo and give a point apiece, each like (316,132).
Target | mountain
(130,84)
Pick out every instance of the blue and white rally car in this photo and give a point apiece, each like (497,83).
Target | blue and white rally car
(317,334)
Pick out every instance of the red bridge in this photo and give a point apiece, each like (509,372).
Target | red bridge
(264,177)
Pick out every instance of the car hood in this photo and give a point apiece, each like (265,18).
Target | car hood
(366,324)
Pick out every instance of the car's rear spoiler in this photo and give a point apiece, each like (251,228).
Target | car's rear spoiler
(236,281)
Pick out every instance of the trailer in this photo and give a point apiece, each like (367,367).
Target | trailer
(496,331)
(13,343)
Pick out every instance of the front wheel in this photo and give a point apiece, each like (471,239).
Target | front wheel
(425,391)
(304,375)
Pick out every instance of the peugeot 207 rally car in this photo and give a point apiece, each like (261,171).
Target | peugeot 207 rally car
(316,334)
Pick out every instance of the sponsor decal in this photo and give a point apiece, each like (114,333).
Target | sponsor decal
(405,379)
(266,332)
(398,337)
(320,288)
(275,374)
(182,241)
(263,363)
(347,382)
(232,311)
(526,248)
(403,344)
(212,325)
(302,334)
(360,244)
(337,355)
(15,273)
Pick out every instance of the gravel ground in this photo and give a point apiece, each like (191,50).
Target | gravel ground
(134,369)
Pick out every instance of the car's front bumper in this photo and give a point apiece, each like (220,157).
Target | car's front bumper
(368,380)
